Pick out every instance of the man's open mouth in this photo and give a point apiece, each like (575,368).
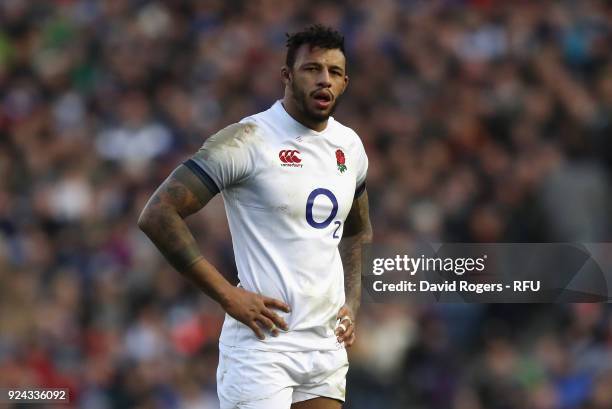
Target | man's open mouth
(323,99)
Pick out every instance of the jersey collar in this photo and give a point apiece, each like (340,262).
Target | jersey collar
(288,120)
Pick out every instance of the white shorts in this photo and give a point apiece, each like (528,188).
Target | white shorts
(253,379)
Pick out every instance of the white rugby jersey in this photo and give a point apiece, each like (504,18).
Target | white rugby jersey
(287,191)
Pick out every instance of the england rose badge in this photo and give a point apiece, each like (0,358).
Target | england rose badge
(340,160)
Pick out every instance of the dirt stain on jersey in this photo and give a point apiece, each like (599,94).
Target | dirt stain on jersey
(235,136)
(282,208)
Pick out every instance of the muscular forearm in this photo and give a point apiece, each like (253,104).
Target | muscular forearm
(351,249)
(357,232)
(170,234)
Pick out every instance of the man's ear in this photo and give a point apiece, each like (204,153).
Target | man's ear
(285,75)
(346,82)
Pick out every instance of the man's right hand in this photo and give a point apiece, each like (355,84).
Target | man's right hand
(255,311)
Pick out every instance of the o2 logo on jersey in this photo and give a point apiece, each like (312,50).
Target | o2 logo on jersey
(334,212)
(289,157)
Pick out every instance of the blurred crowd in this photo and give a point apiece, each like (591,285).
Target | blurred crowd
(484,121)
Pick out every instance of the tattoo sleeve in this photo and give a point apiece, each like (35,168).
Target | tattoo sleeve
(162,219)
(357,232)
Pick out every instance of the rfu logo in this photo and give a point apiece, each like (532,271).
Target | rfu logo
(289,157)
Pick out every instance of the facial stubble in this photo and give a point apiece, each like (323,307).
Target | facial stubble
(301,102)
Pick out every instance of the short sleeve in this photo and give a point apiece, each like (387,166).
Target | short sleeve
(362,168)
(226,158)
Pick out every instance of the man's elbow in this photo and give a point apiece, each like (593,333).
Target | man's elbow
(144,220)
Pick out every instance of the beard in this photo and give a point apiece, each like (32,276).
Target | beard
(301,102)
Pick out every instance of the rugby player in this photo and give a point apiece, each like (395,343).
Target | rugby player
(293,183)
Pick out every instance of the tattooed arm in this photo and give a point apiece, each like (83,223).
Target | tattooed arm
(179,196)
(357,232)
(162,220)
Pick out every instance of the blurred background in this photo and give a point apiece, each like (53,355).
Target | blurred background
(484,121)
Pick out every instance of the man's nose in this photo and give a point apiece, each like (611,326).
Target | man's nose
(324,79)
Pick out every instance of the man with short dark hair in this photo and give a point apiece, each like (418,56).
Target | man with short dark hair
(293,182)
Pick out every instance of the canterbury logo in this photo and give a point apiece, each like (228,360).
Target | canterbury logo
(289,157)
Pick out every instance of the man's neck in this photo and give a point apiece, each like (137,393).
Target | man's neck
(294,113)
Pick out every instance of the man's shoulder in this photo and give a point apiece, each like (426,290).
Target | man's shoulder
(237,135)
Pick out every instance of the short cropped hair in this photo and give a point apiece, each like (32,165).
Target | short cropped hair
(315,35)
